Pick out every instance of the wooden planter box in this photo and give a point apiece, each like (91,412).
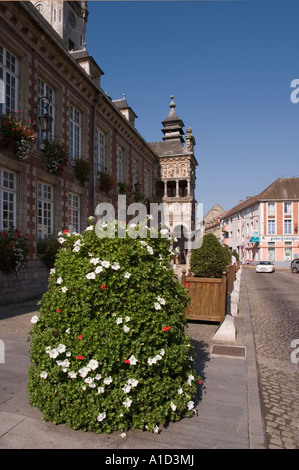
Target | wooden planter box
(208,298)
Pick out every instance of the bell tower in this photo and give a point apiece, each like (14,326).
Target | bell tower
(175,183)
(68,19)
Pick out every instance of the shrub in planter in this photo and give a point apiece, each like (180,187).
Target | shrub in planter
(210,260)
(236,255)
(109,350)
(47,250)
(83,170)
(106,180)
(14,249)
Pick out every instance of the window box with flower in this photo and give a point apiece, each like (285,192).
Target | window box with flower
(55,156)
(17,135)
(106,181)
(83,170)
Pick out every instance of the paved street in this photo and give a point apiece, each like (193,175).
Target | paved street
(274,309)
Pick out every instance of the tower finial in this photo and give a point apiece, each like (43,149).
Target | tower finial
(172,103)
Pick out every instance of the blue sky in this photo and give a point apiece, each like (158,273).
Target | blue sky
(229,65)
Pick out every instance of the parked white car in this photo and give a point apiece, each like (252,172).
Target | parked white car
(265,267)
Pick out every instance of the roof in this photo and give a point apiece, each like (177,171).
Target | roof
(168,148)
(282,189)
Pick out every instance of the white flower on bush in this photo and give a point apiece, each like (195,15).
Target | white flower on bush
(105,264)
(52,271)
(116,266)
(98,270)
(172,406)
(157,306)
(161,300)
(101,390)
(94,260)
(162,352)
(34,319)
(133,382)
(90,276)
(93,364)
(150,250)
(119,320)
(84,371)
(126,388)
(108,380)
(101,416)
(127,403)
(68,331)
(190,405)
(156,429)
(151,361)
(59,280)
(64,289)
(190,379)
(180,391)
(76,249)
(53,353)
(72,375)
(90,227)
(127,275)
(133,360)
(126,329)
(61,240)
(127,318)
(43,375)
(64,364)
(61,348)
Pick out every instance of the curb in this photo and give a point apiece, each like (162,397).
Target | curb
(256,430)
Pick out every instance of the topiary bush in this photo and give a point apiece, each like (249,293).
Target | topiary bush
(211,259)
(109,349)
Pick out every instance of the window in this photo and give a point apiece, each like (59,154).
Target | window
(271,226)
(8,208)
(9,69)
(119,164)
(44,210)
(271,208)
(75,133)
(288,226)
(101,151)
(48,92)
(288,208)
(74,212)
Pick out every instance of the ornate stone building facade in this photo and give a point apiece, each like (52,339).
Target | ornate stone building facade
(175,183)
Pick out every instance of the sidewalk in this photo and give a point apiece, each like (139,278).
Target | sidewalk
(228,404)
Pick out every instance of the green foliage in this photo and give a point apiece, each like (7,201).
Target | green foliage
(83,170)
(47,250)
(109,350)
(14,249)
(236,255)
(106,180)
(209,260)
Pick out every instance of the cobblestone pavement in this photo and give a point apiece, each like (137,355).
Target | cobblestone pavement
(274,309)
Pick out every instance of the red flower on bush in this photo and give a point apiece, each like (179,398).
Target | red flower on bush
(65,231)
(166,328)
(103,286)
(186,285)
(127,361)
(80,336)
(58,310)
(80,357)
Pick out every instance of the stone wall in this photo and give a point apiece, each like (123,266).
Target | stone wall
(31,283)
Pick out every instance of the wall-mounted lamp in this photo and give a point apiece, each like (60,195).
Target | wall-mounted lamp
(44,120)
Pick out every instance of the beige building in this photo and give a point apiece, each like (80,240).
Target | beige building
(211,221)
